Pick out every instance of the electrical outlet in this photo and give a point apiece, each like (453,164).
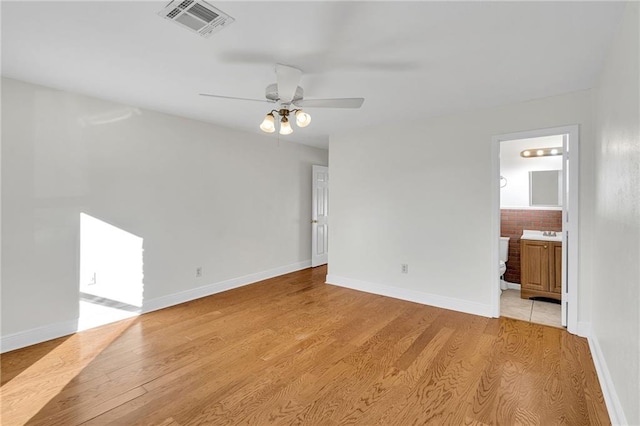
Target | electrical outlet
(198,271)
(405,268)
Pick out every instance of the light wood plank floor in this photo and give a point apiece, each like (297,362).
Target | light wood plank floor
(293,350)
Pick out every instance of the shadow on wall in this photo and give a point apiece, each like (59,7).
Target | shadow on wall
(111,273)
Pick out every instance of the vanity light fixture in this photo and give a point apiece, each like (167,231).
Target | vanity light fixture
(543,152)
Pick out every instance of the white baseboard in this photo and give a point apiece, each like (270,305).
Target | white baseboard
(412,296)
(616,413)
(512,286)
(53,331)
(30,337)
(207,290)
(584,329)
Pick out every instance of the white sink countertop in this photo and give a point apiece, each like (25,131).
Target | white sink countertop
(528,234)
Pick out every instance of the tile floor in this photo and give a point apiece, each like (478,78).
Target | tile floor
(512,306)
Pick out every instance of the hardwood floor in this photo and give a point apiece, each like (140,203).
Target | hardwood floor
(293,350)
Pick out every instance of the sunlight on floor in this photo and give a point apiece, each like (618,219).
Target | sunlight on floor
(24,395)
(94,315)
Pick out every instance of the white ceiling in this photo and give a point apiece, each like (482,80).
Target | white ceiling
(409,60)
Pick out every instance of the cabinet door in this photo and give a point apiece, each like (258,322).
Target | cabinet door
(555,262)
(535,265)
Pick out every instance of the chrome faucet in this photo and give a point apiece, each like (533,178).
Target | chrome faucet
(549,234)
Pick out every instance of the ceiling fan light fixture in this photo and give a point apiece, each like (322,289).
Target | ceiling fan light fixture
(286,93)
(302,118)
(285,127)
(269,123)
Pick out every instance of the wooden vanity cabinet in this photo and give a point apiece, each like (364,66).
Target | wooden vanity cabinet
(541,269)
(555,265)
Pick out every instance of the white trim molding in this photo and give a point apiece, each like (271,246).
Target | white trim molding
(513,286)
(412,296)
(614,407)
(584,329)
(53,331)
(30,337)
(207,290)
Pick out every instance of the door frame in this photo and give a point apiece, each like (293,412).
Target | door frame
(570,214)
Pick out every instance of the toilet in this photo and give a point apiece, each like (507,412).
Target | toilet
(504,255)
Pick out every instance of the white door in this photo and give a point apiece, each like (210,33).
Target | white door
(319,215)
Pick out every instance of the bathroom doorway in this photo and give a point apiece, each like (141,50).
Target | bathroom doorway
(536,206)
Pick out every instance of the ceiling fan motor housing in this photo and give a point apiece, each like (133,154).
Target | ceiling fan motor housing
(271,93)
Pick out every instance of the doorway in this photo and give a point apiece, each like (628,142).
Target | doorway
(566,217)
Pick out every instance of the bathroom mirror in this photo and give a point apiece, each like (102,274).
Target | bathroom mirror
(545,188)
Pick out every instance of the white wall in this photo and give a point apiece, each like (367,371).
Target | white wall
(516,168)
(616,261)
(233,203)
(420,194)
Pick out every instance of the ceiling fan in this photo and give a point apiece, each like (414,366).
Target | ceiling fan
(286,93)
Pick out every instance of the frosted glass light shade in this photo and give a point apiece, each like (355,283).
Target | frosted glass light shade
(302,118)
(285,127)
(269,124)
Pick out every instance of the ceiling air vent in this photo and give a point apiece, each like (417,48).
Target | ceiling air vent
(196,15)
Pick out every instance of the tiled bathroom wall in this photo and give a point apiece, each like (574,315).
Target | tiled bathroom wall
(513,221)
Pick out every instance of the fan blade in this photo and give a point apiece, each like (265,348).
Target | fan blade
(287,79)
(330,103)
(239,99)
